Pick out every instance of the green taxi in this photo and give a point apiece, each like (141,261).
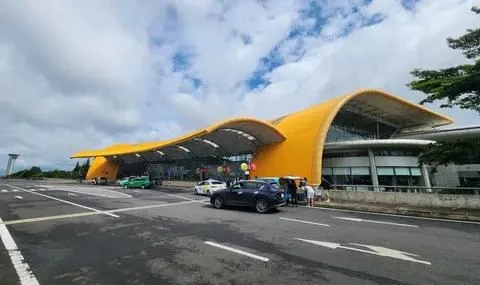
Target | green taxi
(138,182)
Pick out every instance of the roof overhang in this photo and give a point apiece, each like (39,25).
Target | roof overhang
(235,136)
(395,112)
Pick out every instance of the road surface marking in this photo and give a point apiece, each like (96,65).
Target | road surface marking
(203,201)
(15,190)
(71,194)
(40,219)
(24,272)
(393,215)
(4,190)
(67,202)
(19,197)
(375,222)
(238,251)
(88,190)
(375,250)
(305,222)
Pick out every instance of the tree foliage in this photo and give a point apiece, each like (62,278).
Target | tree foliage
(458,85)
(35,172)
(457,152)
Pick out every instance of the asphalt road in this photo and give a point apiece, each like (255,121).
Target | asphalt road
(106,235)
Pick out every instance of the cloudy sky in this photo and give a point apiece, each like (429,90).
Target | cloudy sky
(85,74)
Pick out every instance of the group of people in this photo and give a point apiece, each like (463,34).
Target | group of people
(310,192)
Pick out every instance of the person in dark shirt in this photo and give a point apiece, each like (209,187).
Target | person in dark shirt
(292,188)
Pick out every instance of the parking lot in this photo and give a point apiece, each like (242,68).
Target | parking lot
(79,234)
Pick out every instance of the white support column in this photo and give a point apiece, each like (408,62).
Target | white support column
(373,170)
(426,178)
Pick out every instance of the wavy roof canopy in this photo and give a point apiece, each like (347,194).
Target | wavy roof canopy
(236,135)
(307,130)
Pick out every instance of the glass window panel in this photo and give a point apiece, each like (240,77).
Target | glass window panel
(327,171)
(360,171)
(402,171)
(341,171)
(415,171)
(385,171)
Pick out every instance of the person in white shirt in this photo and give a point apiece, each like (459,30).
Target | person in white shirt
(310,194)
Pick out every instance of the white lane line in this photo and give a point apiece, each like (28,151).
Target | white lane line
(305,222)
(237,251)
(393,215)
(4,190)
(203,201)
(67,202)
(32,220)
(89,192)
(375,222)
(71,194)
(15,190)
(23,270)
(19,197)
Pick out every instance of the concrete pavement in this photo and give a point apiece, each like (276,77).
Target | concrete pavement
(171,236)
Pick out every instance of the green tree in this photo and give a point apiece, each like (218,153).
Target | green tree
(458,85)
(447,152)
(454,86)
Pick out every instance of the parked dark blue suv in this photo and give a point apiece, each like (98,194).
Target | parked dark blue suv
(260,195)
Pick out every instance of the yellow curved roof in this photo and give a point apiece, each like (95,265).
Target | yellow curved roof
(301,153)
(122,149)
(299,137)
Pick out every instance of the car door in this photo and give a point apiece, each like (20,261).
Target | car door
(198,188)
(250,190)
(137,182)
(234,195)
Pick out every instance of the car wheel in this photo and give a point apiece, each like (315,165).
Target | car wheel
(195,191)
(261,206)
(208,193)
(218,202)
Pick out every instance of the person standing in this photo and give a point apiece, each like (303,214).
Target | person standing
(325,185)
(310,193)
(292,187)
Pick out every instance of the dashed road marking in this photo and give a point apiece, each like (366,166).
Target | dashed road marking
(15,190)
(23,270)
(19,197)
(71,194)
(375,222)
(67,202)
(32,220)
(4,191)
(305,222)
(237,251)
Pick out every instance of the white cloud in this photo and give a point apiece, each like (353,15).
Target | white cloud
(87,74)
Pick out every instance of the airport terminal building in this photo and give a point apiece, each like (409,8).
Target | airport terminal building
(364,140)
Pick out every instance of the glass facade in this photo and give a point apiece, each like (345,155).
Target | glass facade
(344,176)
(189,169)
(349,126)
(399,176)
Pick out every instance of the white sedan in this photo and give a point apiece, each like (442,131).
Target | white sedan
(208,187)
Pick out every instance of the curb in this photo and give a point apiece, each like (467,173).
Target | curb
(461,216)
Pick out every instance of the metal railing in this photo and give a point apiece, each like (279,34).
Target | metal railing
(410,189)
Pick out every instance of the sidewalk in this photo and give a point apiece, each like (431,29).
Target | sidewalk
(442,213)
